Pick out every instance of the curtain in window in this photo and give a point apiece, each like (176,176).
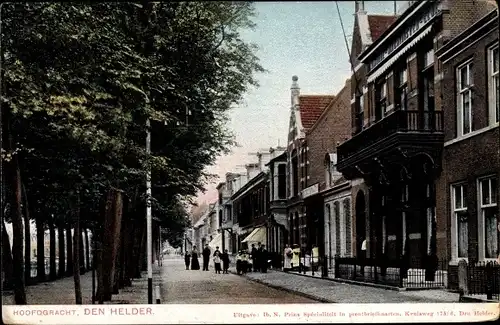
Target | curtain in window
(463,234)
(490,232)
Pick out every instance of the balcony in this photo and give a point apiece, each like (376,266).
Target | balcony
(408,130)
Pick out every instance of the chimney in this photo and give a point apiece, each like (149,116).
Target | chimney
(360,7)
(295,90)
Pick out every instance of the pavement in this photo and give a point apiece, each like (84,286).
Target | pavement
(335,292)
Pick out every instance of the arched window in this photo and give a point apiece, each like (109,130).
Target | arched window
(336,211)
(348,222)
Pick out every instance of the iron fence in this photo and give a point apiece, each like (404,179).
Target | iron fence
(403,272)
(483,279)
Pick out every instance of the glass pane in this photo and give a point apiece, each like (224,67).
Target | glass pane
(463,78)
(494,190)
(458,197)
(463,234)
(497,96)
(495,60)
(466,112)
(485,191)
(490,232)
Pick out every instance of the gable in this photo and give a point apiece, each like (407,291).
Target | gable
(311,108)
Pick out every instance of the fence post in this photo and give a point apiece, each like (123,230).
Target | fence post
(463,278)
(401,272)
(324,269)
(489,280)
(311,259)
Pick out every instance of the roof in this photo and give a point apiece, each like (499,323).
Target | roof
(311,107)
(379,24)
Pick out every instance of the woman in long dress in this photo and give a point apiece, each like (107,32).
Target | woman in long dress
(288,258)
(195,265)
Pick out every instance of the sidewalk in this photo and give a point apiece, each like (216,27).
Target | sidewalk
(336,292)
(62,291)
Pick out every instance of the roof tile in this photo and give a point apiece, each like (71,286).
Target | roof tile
(311,107)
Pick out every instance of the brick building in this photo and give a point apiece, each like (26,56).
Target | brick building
(394,156)
(305,110)
(467,191)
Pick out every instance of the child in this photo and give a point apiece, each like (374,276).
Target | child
(217,261)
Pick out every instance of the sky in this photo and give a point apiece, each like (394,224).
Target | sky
(294,38)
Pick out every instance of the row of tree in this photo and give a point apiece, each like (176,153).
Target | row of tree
(81,84)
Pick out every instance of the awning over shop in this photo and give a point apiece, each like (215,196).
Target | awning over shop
(216,241)
(395,56)
(257,235)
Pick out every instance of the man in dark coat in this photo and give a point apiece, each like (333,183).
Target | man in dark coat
(206,257)
(225,261)
(263,259)
(253,254)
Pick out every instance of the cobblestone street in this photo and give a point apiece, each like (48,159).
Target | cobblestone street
(181,286)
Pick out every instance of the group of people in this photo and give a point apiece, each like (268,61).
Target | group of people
(258,257)
(221,259)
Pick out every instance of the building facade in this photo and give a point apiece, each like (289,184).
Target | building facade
(304,112)
(467,195)
(394,157)
(277,229)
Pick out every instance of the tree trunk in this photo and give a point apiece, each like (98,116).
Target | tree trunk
(40,250)
(82,253)
(142,248)
(69,251)
(111,240)
(27,241)
(52,250)
(76,253)
(6,258)
(87,251)
(17,220)
(62,253)
(123,249)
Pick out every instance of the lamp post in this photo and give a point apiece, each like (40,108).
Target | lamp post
(149,242)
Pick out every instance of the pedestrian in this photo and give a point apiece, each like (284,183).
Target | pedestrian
(288,258)
(217,251)
(217,262)
(363,256)
(225,261)
(206,257)
(263,259)
(258,260)
(187,259)
(195,265)
(253,254)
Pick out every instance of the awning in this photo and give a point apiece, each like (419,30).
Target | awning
(257,235)
(216,241)
(394,57)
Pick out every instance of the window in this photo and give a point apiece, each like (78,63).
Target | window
(348,234)
(295,174)
(360,108)
(336,211)
(401,89)
(464,103)
(282,181)
(460,220)
(494,85)
(488,210)
(381,98)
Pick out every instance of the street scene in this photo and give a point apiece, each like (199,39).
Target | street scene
(250,152)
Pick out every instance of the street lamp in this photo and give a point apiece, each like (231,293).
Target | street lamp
(149,242)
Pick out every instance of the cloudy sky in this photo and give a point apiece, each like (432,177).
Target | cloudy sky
(294,38)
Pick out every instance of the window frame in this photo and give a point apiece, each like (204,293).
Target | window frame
(461,92)
(381,100)
(454,220)
(493,81)
(481,215)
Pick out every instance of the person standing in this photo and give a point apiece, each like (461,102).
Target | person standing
(263,259)
(206,257)
(217,262)
(187,259)
(195,265)
(253,254)
(288,258)
(225,262)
